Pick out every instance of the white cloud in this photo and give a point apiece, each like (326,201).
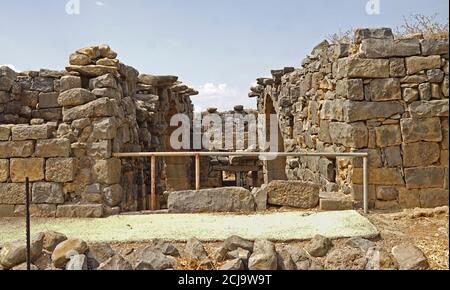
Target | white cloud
(99,3)
(221,96)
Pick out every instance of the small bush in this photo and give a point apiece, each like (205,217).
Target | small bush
(428,26)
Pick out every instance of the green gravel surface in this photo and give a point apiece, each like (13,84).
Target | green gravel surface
(285,226)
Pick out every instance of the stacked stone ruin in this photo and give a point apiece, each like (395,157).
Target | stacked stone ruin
(384,96)
(60,129)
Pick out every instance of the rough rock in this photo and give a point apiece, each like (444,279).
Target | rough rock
(53,239)
(319,246)
(77,263)
(60,255)
(264,256)
(347,258)
(115,263)
(149,259)
(98,254)
(294,193)
(232,265)
(75,97)
(15,253)
(410,257)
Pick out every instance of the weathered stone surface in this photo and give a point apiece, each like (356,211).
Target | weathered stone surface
(387,193)
(25,132)
(36,210)
(116,263)
(385,48)
(231,244)
(392,156)
(93,70)
(6,210)
(410,257)
(149,259)
(429,109)
(196,254)
(373,33)
(434,46)
(103,107)
(4,170)
(79,59)
(23,267)
(284,260)
(410,95)
(52,239)
(16,149)
(53,148)
(105,81)
(233,199)
(98,253)
(420,154)
(80,211)
(105,129)
(385,90)
(7,78)
(60,169)
(427,129)
(352,89)
(387,136)
(48,100)
(361,111)
(360,243)
(366,68)
(424,177)
(62,252)
(431,198)
(397,67)
(416,64)
(166,248)
(5,132)
(294,193)
(319,246)
(12,193)
(69,82)
(113,195)
(260,195)
(107,171)
(77,263)
(233,265)
(379,176)
(435,75)
(21,168)
(264,256)
(47,193)
(157,81)
(354,135)
(347,258)
(101,149)
(380,259)
(240,254)
(15,253)
(75,97)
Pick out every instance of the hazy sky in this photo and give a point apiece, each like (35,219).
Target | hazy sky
(218,46)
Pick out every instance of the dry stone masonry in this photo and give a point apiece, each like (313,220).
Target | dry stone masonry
(384,96)
(60,128)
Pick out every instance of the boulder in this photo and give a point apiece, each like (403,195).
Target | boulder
(61,254)
(98,254)
(297,194)
(319,246)
(77,263)
(380,259)
(23,267)
(196,254)
(302,260)
(115,263)
(53,239)
(240,254)
(264,256)
(75,97)
(166,248)
(231,244)
(284,260)
(232,265)
(231,199)
(157,81)
(149,259)
(346,258)
(373,33)
(409,257)
(15,253)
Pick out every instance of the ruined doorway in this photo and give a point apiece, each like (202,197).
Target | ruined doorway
(274,169)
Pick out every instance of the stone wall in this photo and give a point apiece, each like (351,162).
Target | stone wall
(60,130)
(384,96)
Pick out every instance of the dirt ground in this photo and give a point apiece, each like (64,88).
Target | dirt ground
(427,229)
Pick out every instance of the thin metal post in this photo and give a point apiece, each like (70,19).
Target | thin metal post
(27,214)
(153,200)
(366,184)
(197,172)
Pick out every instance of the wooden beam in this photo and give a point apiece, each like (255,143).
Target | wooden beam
(153,198)
(197,172)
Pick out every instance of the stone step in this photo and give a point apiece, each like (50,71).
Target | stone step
(335,201)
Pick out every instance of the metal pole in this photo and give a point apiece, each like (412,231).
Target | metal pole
(197,172)
(27,216)
(366,184)
(153,201)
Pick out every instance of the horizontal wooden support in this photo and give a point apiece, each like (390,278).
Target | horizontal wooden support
(221,154)
(237,168)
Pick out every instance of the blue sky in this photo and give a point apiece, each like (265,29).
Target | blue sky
(218,46)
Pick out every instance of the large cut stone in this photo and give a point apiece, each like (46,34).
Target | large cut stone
(103,107)
(33,168)
(69,82)
(53,148)
(434,46)
(424,177)
(374,33)
(361,111)
(364,68)
(431,198)
(5,132)
(12,193)
(25,132)
(36,210)
(16,149)
(48,100)
(107,171)
(4,170)
(428,129)
(105,129)
(105,81)
(93,70)
(113,195)
(379,176)
(385,48)
(157,81)
(354,135)
(75,97)
(352,89)
(47,193)
(60,169)
(385,90)
(80,211)
(429,109)
(294,194)
(387,136)
(232,199)
(420,154)
(416,64)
